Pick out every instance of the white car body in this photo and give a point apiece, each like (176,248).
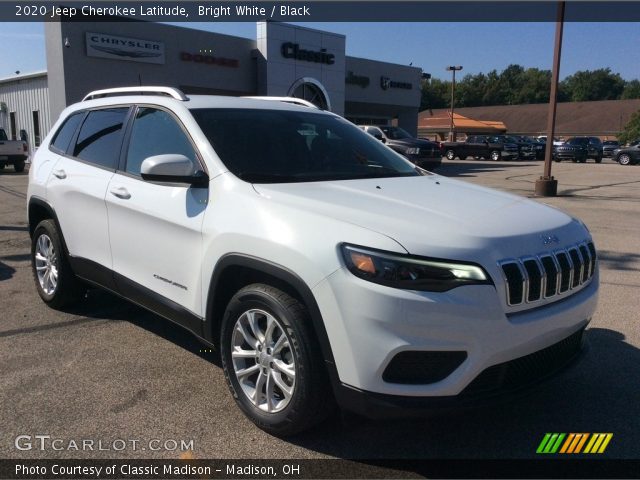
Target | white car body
(300,227)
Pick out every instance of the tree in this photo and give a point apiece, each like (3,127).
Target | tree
(510,82)
(588,85)
(470,90)
(494,95)
(535,87)
(631,90)
(435,94)
(631,130)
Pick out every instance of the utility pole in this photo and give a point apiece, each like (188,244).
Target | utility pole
(453,69)
(546,185)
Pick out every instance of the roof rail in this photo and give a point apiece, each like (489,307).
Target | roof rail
(294,100)
(169,91)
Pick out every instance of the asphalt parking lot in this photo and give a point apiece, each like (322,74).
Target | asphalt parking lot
(109,370)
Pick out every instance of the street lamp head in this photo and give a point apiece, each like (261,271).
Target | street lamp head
(454,68)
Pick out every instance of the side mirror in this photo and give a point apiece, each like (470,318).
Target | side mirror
(172,168)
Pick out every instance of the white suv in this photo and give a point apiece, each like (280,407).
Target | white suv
(322,264)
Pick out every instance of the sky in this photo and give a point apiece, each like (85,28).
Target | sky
(478,47)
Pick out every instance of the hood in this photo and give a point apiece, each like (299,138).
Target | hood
(433,215)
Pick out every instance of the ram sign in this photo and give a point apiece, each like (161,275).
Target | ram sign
(123,48)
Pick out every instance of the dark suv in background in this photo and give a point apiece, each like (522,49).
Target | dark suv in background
(579,149)
(608,146)
(423,153)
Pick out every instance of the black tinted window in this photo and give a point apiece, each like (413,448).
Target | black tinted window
(156,132)
(100,137)
(269,146)
(66,131)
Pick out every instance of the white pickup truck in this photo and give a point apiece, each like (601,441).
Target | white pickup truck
(12,152)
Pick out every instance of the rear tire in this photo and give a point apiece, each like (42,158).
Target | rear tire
(272,362)
(599,159)
(450,154)
(495,155)
(19,166)
(56,283)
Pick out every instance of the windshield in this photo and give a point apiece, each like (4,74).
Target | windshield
(281,146)
(3,135)
(395,133)
(578,141)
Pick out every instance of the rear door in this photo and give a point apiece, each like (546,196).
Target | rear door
(156,229)
(78,184)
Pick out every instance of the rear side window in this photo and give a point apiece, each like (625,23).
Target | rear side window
(100,137)
(65,132)
(156,132)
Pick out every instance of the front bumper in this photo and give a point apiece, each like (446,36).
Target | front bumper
(498,384)
(368,324)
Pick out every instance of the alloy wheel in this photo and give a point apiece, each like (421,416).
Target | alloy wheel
(46,260)
(263,360)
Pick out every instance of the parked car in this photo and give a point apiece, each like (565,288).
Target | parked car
(608,146)
(423,153)
(481,146)
(579,149)
(13,152)
(627,155)
(556,140)
(536,145)
(526,148)
(323,266)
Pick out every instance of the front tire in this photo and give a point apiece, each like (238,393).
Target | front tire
(599,159)
(56,283)
(624,159)
(495,155)
(272,362)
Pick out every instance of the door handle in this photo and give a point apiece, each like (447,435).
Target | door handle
(61,174)
(121,192)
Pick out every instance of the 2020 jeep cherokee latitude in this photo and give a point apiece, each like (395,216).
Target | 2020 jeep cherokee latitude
(321,263)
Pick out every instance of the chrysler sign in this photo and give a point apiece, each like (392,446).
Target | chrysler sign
(102,45)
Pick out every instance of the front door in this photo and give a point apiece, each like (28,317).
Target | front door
(156,229)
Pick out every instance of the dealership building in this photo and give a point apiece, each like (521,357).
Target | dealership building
(283,60)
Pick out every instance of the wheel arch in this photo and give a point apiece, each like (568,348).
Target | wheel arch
(234,271)
(39,210)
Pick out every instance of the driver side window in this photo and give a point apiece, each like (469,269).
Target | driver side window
(156,132)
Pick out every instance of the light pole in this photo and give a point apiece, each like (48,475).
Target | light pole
(546,185)
(453,69)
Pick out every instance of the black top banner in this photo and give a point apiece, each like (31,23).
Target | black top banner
(319,11)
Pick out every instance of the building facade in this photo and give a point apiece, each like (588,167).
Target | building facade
(283,60)
(24,107)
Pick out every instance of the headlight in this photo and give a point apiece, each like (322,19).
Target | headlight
(411,273)
(412,151)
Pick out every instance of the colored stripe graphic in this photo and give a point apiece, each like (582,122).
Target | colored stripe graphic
(574,442)
(543,443)
(550,443)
